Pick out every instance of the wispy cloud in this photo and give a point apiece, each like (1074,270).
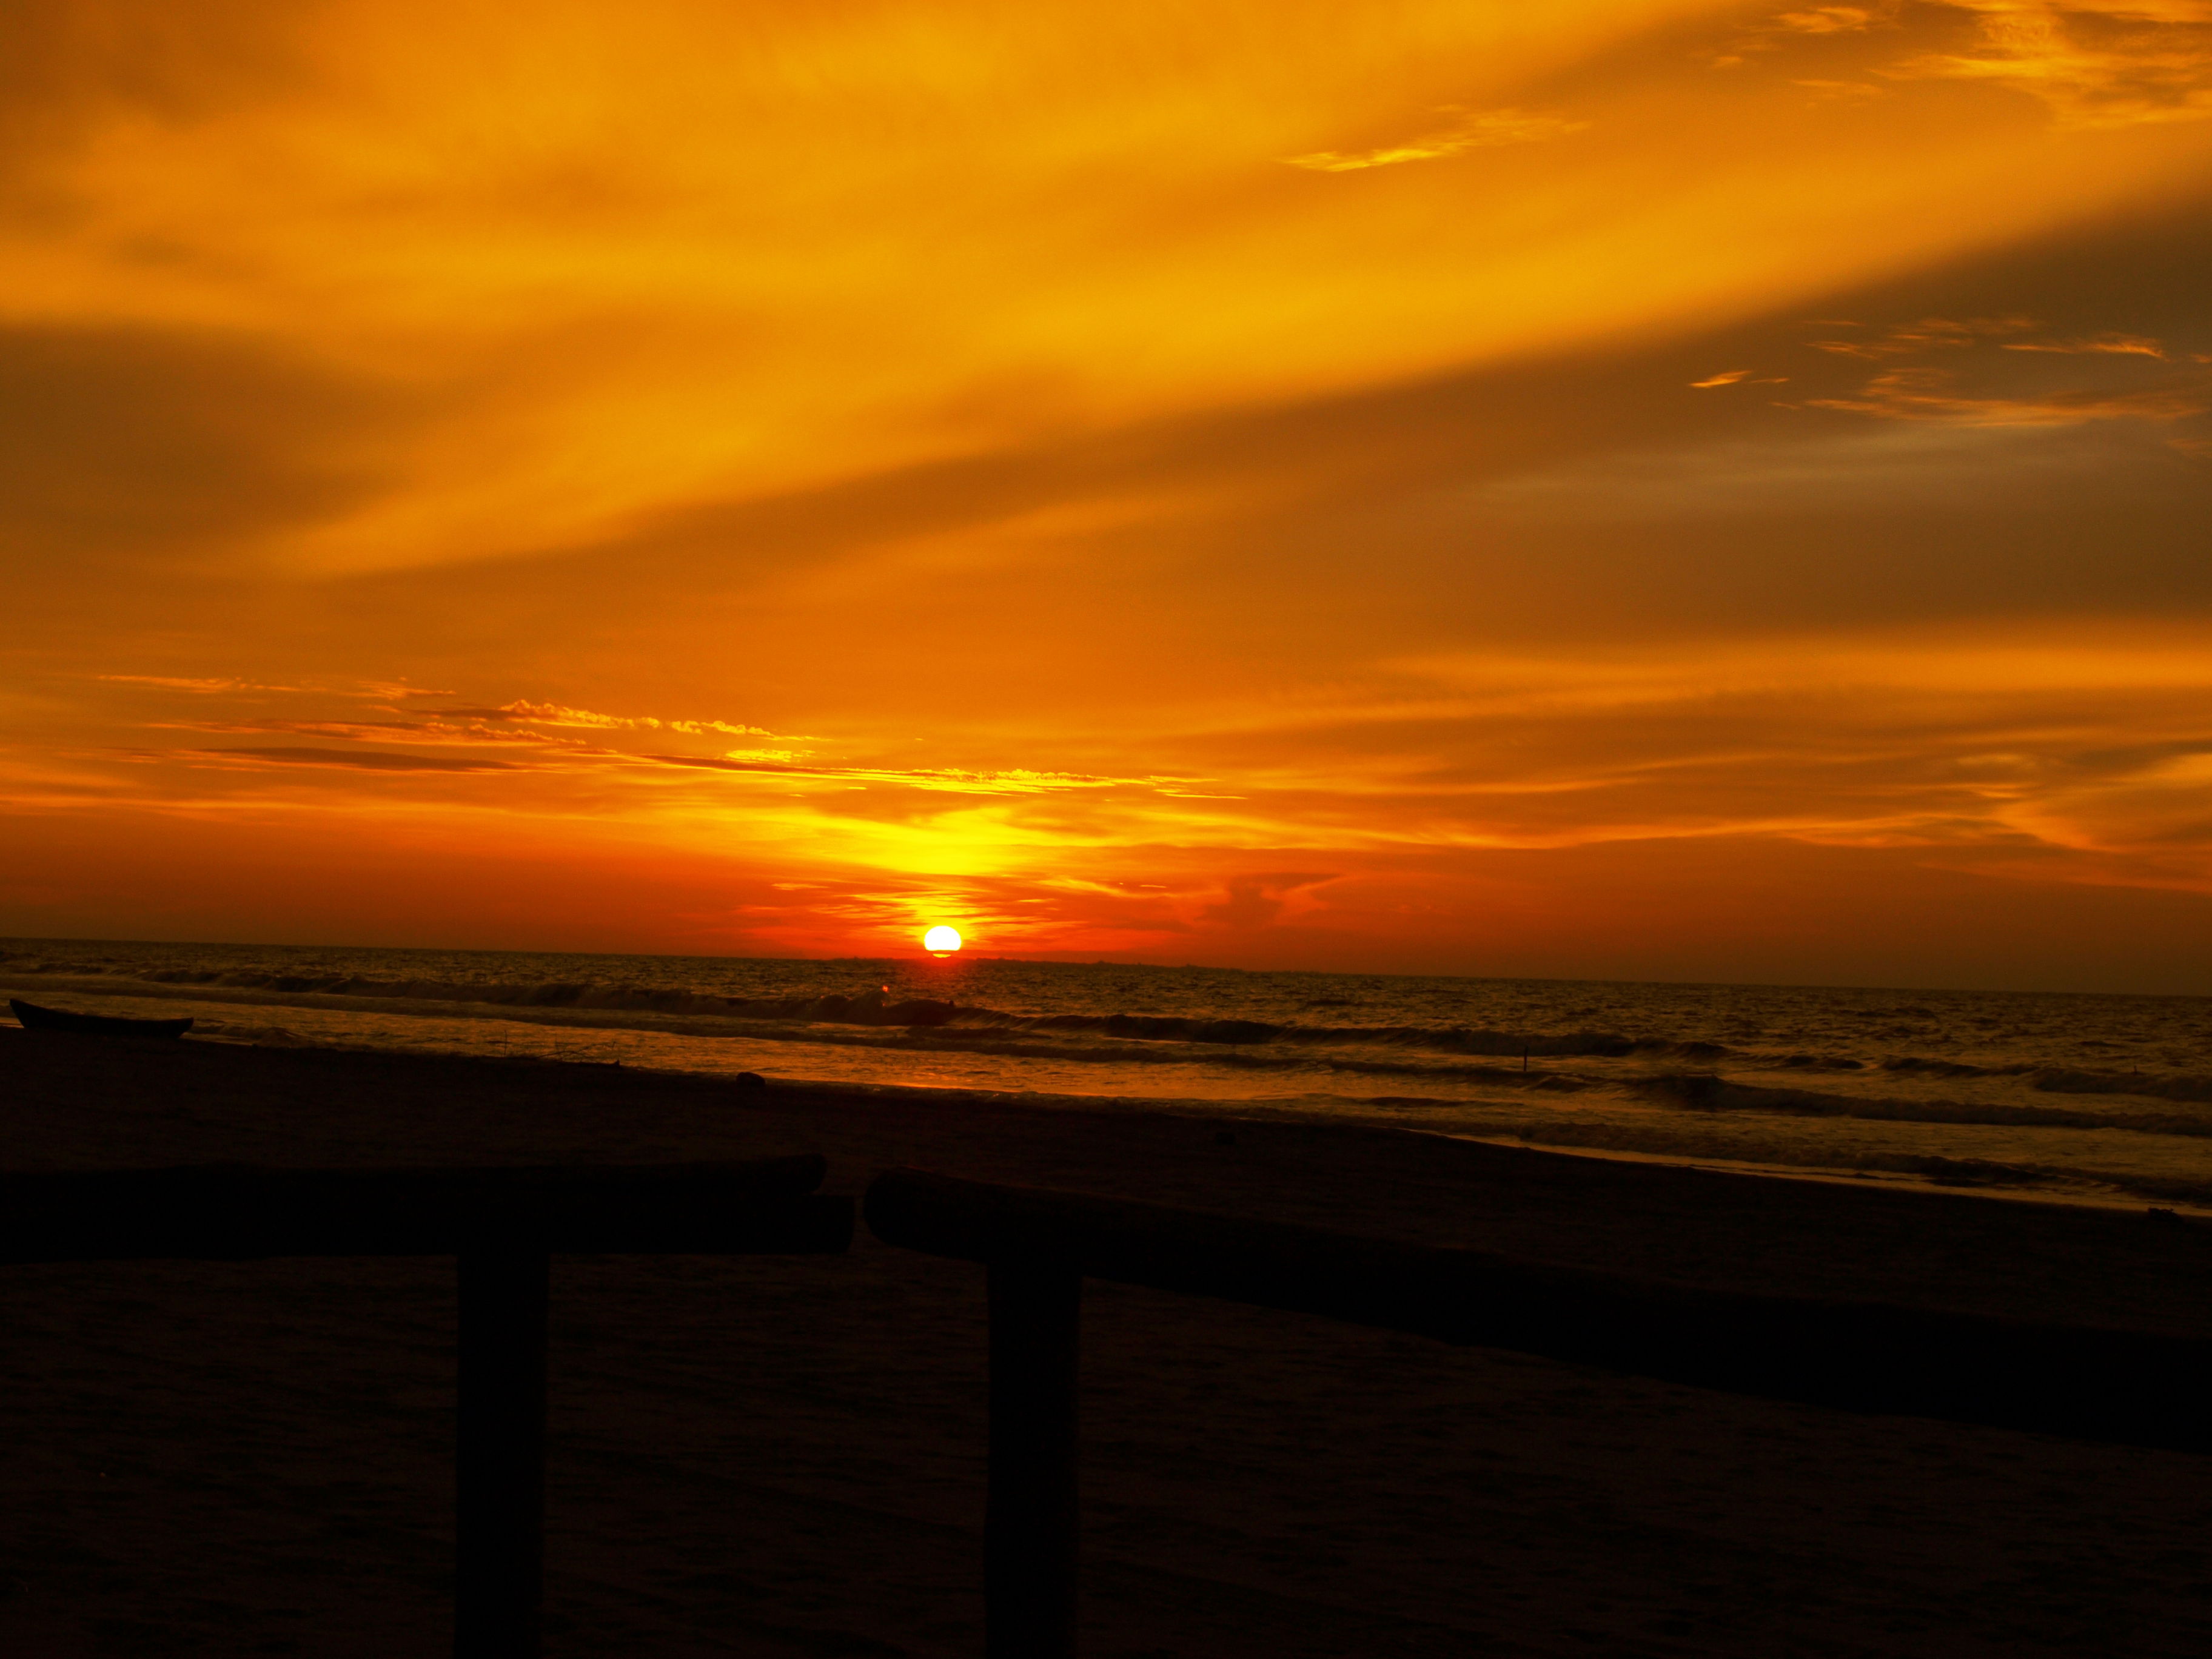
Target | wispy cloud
(1982,742)
(554,714)
(1011,781)
(364,760)
(1777,31)
(2093,62)
(472,733)
(1832,19)
(1929,334)
(1472,130)
(207,687)
(1929,394)
(512,725)
(2096,64)
(2111,345)
(220,684)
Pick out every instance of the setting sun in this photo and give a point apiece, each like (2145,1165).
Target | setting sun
(941,939)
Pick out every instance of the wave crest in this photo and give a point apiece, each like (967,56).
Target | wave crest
(874,1008)
(1706,1092)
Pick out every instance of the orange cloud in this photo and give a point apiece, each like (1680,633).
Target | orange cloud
(1930,333)
(548,714)
(1832,19)
(367,760)
(441,334)
(1921,394)
(1887,744)
(2118,345)
(1472,129)
(1367,824)
(2097,64)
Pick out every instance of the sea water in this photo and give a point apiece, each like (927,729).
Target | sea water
(2058,1096)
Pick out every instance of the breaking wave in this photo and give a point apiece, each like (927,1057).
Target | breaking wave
(1711,1093)
(876,1009)
(1935,1169)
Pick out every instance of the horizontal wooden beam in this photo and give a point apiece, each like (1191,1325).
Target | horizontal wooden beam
(2127,1387)
(233,1212)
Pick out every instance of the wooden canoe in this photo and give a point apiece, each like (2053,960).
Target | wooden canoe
(35,1018)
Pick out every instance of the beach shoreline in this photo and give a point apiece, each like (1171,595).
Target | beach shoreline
(773,1457)
(2107,1148)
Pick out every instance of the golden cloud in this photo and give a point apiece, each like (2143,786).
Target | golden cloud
(1472,129)
(2113,345)
(1929,334)
(1738,377)
(1927,394)
(2097,64)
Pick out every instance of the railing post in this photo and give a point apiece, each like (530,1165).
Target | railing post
(1030,1527)
(499,1462)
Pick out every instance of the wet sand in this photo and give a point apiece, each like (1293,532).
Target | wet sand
(784,1457)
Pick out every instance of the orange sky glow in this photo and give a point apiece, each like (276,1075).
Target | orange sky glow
(1640,489)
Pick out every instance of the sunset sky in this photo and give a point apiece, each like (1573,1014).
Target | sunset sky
(1618,488)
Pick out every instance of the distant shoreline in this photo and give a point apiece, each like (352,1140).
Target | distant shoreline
(916,957)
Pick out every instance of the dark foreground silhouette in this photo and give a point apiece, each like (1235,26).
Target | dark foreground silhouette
(786,1457)
(33,1018)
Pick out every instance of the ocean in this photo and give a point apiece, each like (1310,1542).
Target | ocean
(2082,1098)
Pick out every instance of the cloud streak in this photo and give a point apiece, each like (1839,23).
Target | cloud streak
(509,725)
(2098,64)
(1929,394)
(547,713)
(1471,129)
(366,760)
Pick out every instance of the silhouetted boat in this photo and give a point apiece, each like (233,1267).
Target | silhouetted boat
(35,1018)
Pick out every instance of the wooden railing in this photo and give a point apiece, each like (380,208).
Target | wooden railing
(503,1225)
(1038,1246)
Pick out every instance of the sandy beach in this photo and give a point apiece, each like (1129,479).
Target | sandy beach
(784,1457)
